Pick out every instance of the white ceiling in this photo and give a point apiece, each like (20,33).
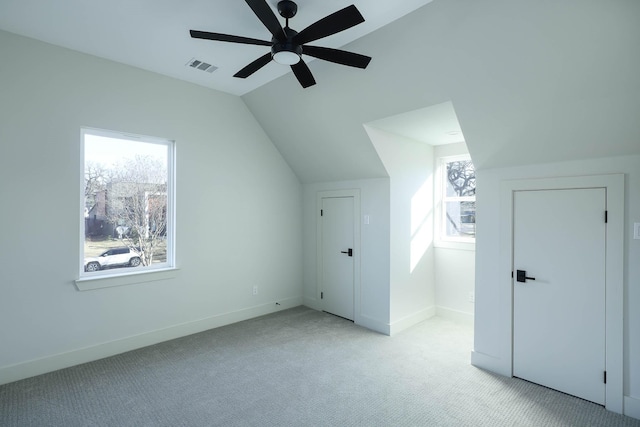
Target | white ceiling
(154,34)
(433,125)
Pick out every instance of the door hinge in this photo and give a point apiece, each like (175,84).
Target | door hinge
(321,212)
(606,217)
(605,377)
(321,295)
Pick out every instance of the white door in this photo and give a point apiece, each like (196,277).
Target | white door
(337,288)
(559,314)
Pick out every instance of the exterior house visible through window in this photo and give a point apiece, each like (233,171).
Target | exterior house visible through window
(127,203)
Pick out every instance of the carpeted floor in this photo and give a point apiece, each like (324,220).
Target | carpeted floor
(298,367)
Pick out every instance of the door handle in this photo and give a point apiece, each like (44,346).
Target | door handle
(349,251)
(521,276)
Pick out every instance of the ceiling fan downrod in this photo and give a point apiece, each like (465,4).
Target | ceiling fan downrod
(286,52)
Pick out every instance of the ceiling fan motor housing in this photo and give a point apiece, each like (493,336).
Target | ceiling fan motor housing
(286,52)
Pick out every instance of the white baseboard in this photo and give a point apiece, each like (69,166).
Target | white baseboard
(412,319)
(83,355)
(632,407)
(312,303)
(490,363)
(455,315)
(373,324)
(361,320)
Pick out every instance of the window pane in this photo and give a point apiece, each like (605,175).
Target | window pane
(461,179)
(460,219)
(125,202)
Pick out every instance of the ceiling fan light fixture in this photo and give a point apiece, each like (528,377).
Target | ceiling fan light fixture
(286,53)
(286,58)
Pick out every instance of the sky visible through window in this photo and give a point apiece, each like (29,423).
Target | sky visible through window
(111,151)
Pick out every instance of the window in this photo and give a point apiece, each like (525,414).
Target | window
(458,221)
(127,204)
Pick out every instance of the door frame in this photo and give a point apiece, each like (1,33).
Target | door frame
(355,194)
(614,264)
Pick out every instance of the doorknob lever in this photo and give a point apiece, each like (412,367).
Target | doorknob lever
(521,276)
(349,252)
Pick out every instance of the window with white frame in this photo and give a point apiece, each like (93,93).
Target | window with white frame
(458,220)
(127,203)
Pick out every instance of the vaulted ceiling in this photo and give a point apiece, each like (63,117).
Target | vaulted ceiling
(154,35)
(528,82)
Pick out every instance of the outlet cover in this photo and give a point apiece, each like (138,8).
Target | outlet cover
(636,230)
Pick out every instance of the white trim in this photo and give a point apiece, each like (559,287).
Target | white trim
(83,355)
(100,282)
(614,185)
(490,363)
(632,407)
(457,316)
(313,303)
(355,193)
(364,320)
(461,246)
(411,320)
(374,324)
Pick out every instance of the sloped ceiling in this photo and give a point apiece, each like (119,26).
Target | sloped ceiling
(154,35)
(530,82)
(434,125)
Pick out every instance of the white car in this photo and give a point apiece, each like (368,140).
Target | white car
(115,257)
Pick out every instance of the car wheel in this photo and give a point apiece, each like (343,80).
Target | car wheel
(134,262)
(93,266)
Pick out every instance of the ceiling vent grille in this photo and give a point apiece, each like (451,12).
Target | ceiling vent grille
(201,65)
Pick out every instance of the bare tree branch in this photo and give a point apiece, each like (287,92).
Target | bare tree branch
(461,176)
(137,204)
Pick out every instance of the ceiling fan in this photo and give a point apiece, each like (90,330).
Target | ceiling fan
(288,45)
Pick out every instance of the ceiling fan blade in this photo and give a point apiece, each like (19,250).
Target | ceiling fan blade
(267,17)
(331,24)
(303,74)
(338,56)
(227,38)
(254,66)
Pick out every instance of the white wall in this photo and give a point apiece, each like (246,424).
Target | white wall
(400,269)
(492,312)
(412,282)
(455,282)
(454,261)
(373,311)
(239,210)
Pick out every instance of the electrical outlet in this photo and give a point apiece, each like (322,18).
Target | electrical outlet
(472,297)
(255,290)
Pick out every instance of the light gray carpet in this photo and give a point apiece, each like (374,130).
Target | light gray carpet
(298,367)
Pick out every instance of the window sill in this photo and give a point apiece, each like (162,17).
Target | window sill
(452,244)
(99,282)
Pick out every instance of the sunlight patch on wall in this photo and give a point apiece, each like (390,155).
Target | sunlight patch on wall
(421,222)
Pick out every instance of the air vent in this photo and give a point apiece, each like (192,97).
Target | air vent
(201,65)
